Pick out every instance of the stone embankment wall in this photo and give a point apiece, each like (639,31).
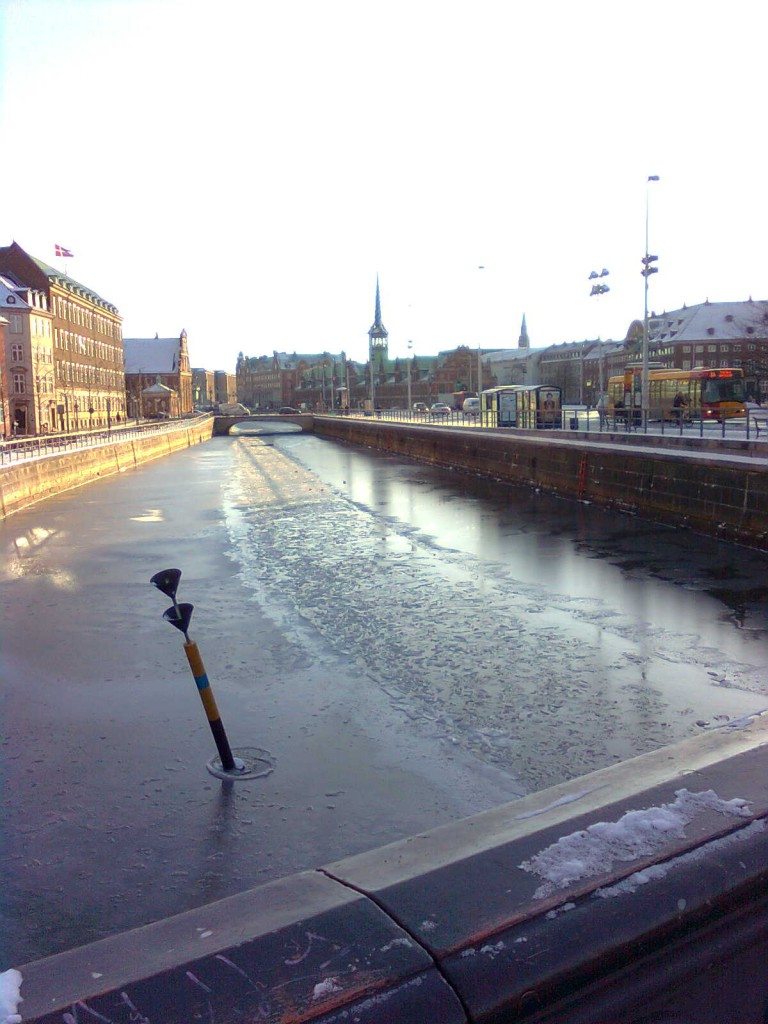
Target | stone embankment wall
(26,482)
(718,491)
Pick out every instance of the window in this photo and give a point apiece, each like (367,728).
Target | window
(686,348)
(15,321)
(711,348)
(17,353)
(18,384)
(686,364)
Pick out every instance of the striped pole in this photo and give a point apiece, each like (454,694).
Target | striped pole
(209,703)
(179,615)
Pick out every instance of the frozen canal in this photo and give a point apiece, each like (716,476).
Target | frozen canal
(410,645)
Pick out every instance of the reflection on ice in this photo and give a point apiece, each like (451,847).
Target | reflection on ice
(548,682)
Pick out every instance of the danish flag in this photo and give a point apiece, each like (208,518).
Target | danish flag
(61,251)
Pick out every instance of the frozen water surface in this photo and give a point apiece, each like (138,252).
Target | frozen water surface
(506,623)
(410,645)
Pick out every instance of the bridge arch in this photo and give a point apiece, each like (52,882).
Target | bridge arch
(223,424)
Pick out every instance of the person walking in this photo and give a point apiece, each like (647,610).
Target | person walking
(679,405)
(602,409)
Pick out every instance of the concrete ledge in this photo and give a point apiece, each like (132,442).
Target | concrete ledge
(297,949)
(24,483)
(449,926)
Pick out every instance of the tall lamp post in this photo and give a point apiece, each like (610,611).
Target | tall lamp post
(599,289)
(647,270)
(479,358)
(410,348)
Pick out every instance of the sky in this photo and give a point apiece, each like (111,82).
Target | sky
(245,170)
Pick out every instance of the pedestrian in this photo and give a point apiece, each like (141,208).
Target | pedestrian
(679,405)
(602,409)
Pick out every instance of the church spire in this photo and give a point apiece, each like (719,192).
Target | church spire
(523,341)
(377,328)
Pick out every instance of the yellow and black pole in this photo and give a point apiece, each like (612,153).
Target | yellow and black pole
(179,615)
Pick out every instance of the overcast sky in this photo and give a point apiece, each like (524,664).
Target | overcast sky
(245,170)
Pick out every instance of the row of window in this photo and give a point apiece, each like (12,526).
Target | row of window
(79,373)
(83,317)
(72,342)
(716,348)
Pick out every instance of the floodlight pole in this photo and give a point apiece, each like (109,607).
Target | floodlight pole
(410,347)
(599,289)
(646,272)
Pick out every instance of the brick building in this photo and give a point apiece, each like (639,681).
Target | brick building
(165,361)
(203,388)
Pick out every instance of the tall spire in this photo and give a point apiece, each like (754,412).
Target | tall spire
(377,328)
(523,341)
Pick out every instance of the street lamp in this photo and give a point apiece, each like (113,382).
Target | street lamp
(599,289)
(479,358)
(410,348)
(647,270)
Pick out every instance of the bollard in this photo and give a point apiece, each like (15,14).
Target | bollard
(179,615)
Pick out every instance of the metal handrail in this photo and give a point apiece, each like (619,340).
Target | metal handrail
(28,448)
(587,419)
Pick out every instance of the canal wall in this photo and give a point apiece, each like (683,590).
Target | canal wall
(702,487)
(634,894)
(28,481)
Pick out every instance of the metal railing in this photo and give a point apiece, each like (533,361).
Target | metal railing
(587,419)
(54,444)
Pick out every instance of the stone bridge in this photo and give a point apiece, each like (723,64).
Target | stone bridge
(223,424)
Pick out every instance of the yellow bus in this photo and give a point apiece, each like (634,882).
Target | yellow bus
(708,394)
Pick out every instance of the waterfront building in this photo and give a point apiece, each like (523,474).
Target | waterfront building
(74,378)
(165,361)
(269,382)
(5,422)
(28,357)
(225,387)
(715,334)
(203,388)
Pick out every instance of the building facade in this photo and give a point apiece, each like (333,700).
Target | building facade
(28,355)
(225,387)
(5,422)
(203,388)
(150,361)
(82,387)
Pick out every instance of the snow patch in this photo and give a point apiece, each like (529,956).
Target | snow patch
(597,849)
(326,988)
(569,798)
(395,942)
(633,882)
(10,996)
(493,951)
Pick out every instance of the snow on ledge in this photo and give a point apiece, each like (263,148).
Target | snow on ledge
(596,850)
(10,996)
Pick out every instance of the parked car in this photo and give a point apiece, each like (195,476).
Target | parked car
(420,408)
(440,410)
(288,410)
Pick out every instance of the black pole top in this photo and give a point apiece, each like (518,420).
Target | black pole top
(179,615)
(167,581)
